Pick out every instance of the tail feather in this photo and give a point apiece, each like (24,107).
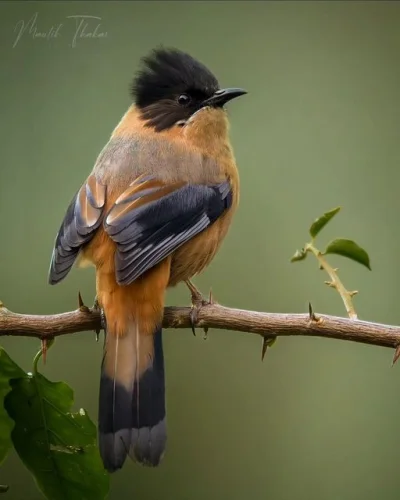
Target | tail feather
(148,437)
(132,399)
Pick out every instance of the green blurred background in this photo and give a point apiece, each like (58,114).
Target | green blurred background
(318,419)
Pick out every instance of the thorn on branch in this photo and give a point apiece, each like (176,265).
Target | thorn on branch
(82,306)
(267,342)
(311,313)
(396,355)
(264,348)
(313,317)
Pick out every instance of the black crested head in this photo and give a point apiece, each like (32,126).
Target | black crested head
(171,86)
(169,72)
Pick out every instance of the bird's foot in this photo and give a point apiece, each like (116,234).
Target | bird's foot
(96,305)
(198,301)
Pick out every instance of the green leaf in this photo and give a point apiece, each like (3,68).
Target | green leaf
(349,249)
(8,370)
(322,221)
(58,447)
(299,255)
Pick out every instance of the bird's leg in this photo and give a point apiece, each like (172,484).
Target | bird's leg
(198,301)
(103,325)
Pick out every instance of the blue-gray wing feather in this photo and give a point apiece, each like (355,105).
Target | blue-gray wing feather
(150,232)
(83,217)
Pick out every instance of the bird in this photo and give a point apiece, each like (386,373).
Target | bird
(152,213)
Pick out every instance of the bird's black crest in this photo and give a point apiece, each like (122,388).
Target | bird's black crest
(169,72)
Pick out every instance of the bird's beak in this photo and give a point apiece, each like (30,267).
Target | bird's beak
(222,96)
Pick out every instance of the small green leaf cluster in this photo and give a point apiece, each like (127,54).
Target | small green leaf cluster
(340,246)
(57,446)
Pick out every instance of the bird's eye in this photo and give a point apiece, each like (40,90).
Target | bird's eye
(184,100)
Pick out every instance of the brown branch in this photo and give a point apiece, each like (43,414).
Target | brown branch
(211,316)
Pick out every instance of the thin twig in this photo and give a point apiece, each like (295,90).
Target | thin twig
(335,281)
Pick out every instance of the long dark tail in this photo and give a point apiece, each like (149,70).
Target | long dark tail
(132,399)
